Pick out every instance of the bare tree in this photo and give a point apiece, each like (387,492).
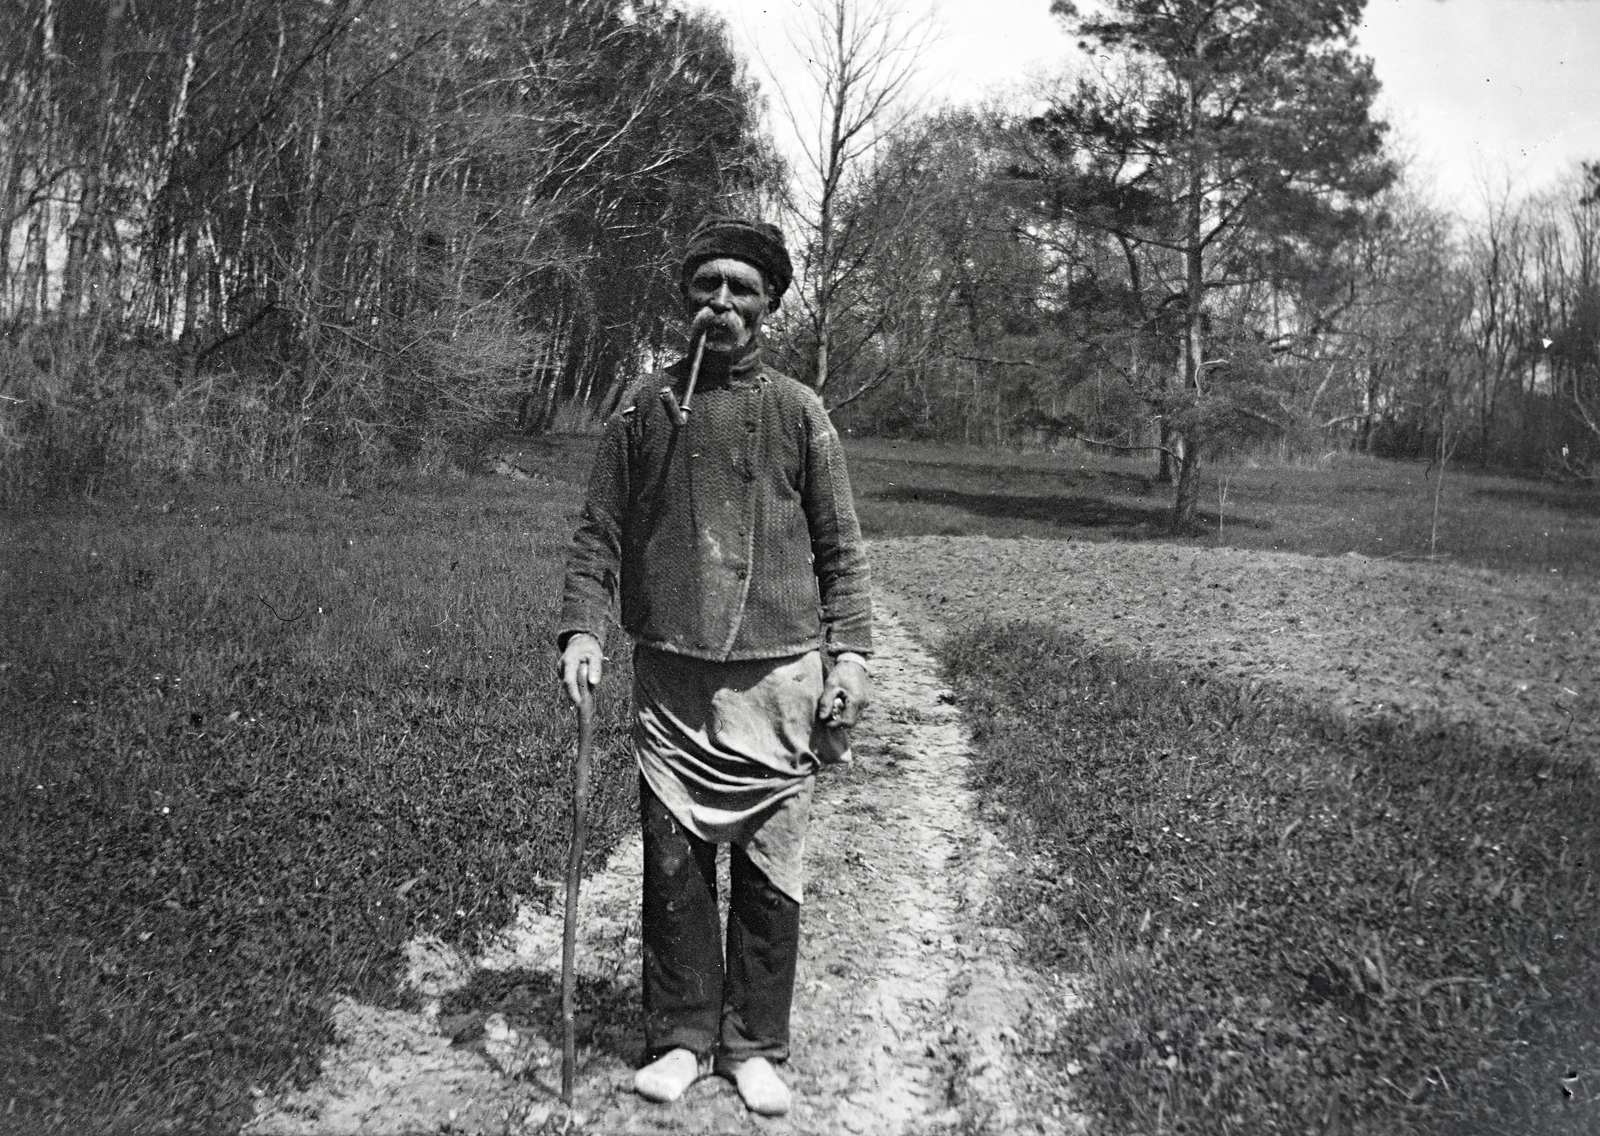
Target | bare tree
(1494,272)
(862,60)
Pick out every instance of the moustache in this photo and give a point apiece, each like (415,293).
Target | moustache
(707,322)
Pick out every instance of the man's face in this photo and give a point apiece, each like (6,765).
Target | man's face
(727,300)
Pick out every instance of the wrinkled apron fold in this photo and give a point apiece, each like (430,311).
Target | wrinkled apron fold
(732,750)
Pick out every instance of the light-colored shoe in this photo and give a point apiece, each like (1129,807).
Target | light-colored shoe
(759,1087)
(666,1078)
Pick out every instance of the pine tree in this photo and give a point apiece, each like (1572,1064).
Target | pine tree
(1231,139)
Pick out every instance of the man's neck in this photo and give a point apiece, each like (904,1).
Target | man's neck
(724,366)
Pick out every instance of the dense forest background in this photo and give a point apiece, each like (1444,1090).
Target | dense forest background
(323,239)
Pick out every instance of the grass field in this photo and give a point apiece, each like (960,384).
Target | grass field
(256,738)
(1285,922)
(1346,504)
(1288,923)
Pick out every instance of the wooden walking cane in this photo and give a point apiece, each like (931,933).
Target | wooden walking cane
(569,937)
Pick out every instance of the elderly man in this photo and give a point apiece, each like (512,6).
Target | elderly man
(720,508)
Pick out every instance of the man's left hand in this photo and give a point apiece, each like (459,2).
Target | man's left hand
(844,695)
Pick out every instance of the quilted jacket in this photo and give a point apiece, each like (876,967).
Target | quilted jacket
(731,537)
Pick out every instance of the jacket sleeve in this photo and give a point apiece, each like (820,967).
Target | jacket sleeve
(594,564)
(839,557)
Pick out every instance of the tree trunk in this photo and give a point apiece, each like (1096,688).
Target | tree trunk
(1168,471)
(823,334)
(824,299)
(36,271)
(1193,327)
(85,230)
(1369,408)
(36,234)
(189,335)
(825,251)
(1485,430)
(1188,487)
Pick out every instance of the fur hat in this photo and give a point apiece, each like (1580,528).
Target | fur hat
(754,242)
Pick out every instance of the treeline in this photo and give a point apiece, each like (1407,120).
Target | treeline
(1201,243)
(312,238)
(1006,316)
(304,238)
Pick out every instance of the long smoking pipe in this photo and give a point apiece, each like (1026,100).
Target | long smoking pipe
(680,414)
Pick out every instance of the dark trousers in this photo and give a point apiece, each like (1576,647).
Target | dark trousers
(691,1000)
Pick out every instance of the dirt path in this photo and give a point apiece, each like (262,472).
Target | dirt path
(912,1013)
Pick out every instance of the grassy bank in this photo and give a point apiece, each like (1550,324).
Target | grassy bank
(1347,504)
(1288,923)
(255,739)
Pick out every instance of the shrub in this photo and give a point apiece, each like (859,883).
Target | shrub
(85,410)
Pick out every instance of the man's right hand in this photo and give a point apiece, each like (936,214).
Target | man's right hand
(580,666)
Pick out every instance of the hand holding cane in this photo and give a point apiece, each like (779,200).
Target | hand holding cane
(569,938)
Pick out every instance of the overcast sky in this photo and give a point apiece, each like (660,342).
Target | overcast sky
(1478,89)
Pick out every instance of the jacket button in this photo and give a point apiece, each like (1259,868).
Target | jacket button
(750,426)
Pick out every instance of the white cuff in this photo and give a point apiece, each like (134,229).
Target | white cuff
(851,656)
